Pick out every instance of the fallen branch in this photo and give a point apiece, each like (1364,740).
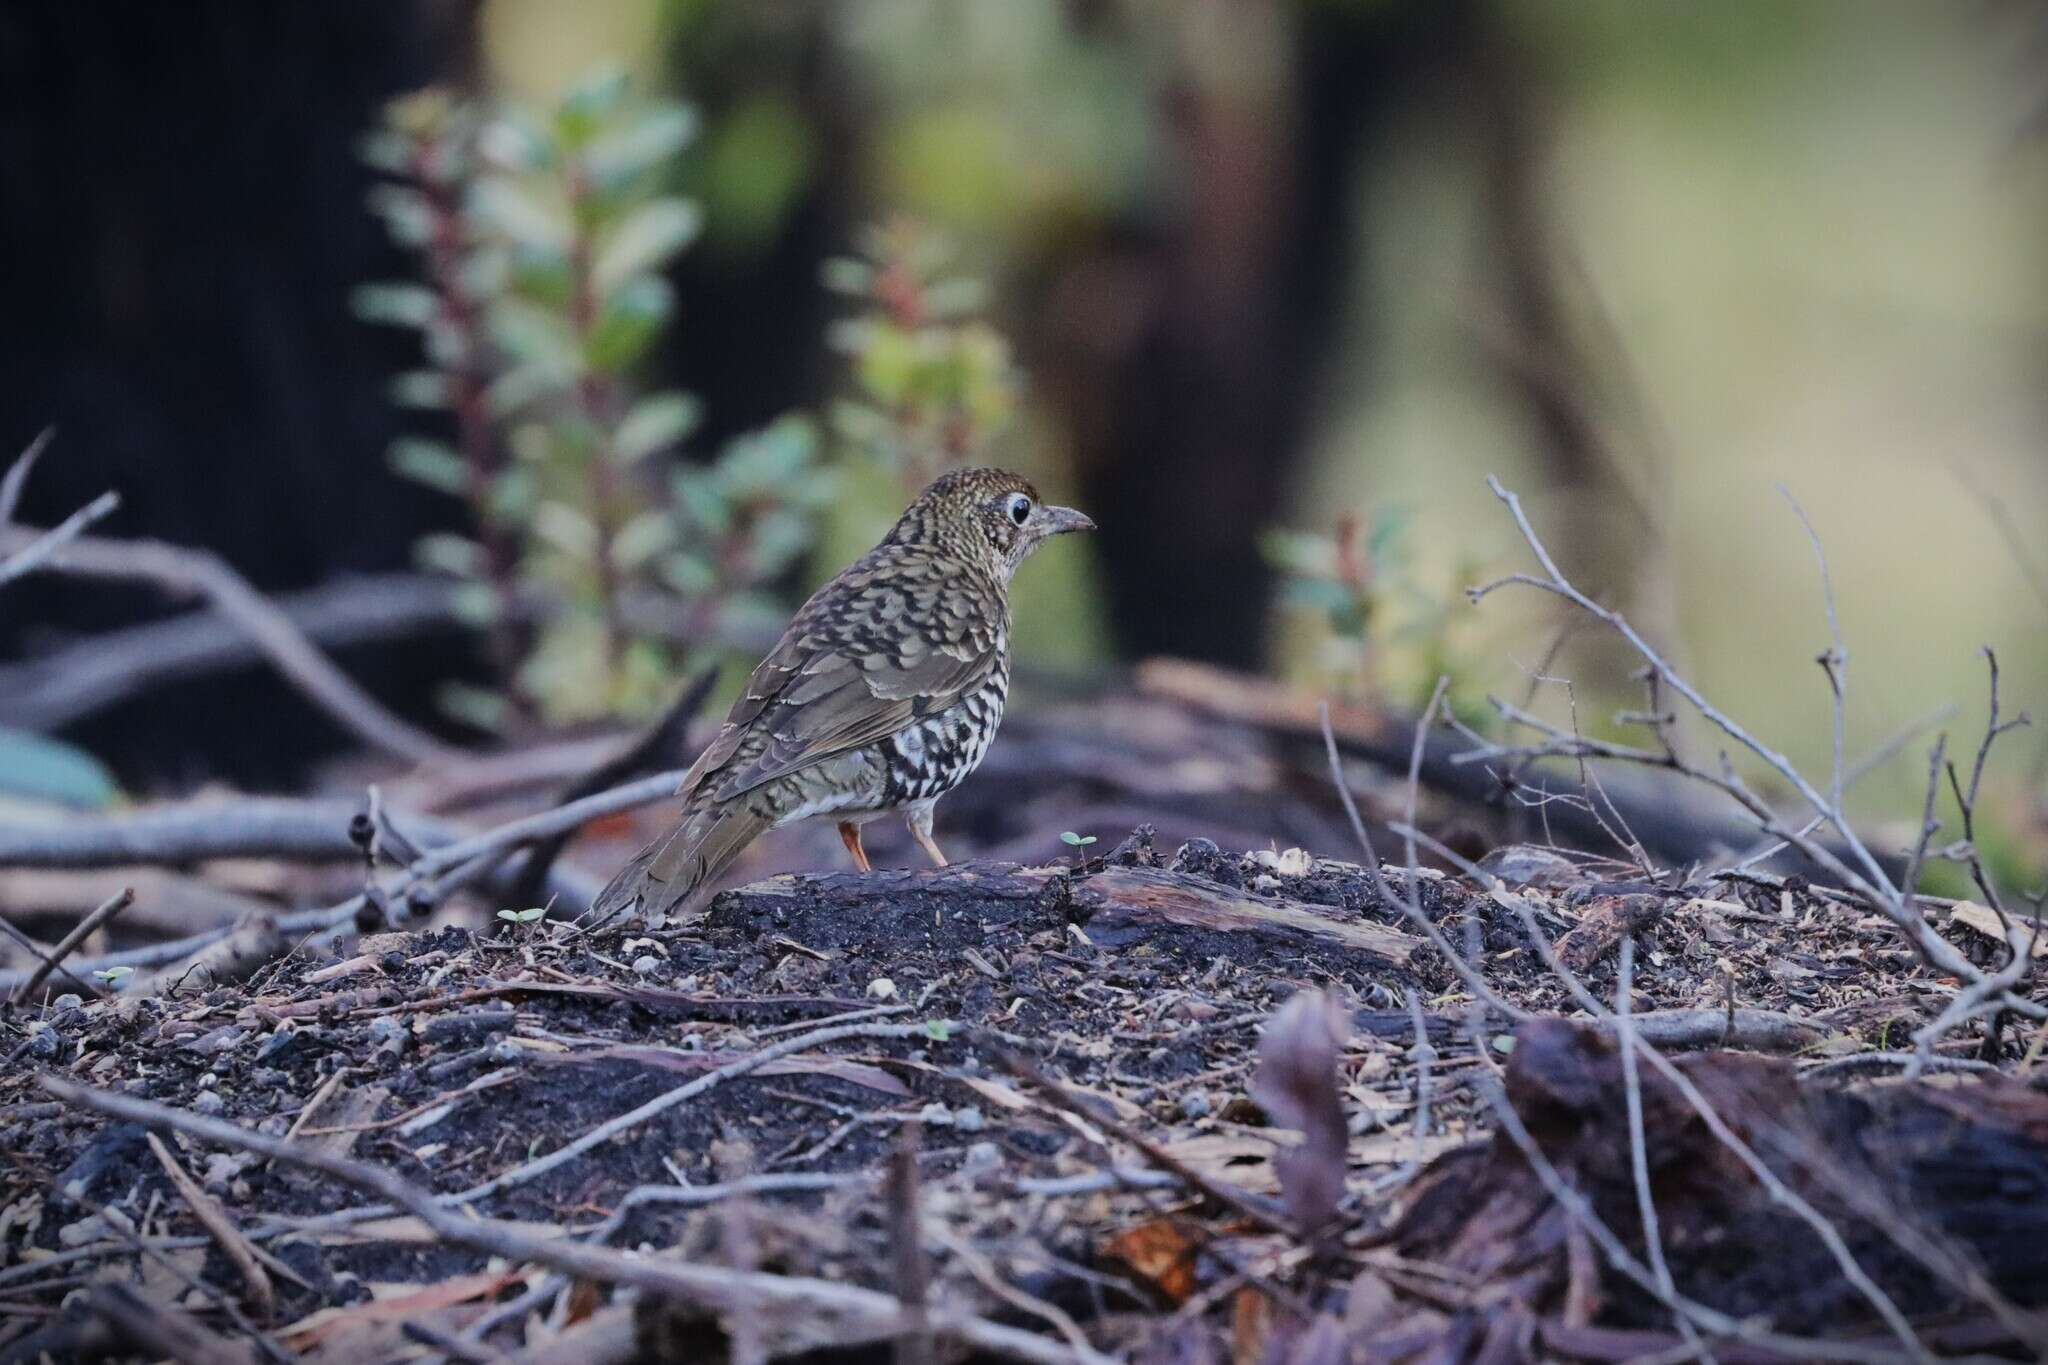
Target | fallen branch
(819,1305)
(201,573)
(108,908)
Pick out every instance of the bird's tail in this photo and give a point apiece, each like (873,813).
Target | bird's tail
(674,875)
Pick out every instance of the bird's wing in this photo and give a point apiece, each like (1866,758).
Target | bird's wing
(882,645)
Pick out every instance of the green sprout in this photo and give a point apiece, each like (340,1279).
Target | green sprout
(1074,840)
(114,976)
(522,916)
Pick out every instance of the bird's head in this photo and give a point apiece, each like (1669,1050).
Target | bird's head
(990,514)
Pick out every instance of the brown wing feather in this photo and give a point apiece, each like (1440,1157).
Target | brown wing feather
(889,640)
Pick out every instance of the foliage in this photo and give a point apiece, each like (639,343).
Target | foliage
(934,385)
(543,237)
(1388,635)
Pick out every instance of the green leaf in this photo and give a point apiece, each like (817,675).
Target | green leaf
(423,389)
(521,216)
(589,103)
(43,769)
(631,319)
(642,143)
(408,215)
(938,1030)
(847,275)
(474,706)
(398,305)
(1077,840)
(449,553)
(641,539)
(567,529)
(654,424)
(431,463)
(535,336)
(648,238)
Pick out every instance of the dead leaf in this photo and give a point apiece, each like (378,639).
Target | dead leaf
(312,1329)
(693,1063)
(1162,1253)
(1984,920)
(1235,1158)
(1297,1083)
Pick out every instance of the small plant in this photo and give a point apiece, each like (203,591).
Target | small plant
(523,916)
(933,384)
(543,239)
(1385,633)
(1079,843)
(113,977)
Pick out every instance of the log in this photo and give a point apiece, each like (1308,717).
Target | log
(1116,907)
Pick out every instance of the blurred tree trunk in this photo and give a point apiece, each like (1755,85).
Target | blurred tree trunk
(1184,352)
(183,212)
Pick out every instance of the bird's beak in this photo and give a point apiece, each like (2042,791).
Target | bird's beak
(1060,520)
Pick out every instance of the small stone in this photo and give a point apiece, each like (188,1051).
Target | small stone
(881,988)
(210,1103)
(647,964)
(277,1125)
(968,1119)
(66,1001)
(1195,1104)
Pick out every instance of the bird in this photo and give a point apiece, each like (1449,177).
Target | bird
(882,695)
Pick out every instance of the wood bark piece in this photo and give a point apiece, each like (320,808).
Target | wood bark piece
(1116,908)
(1964,1168)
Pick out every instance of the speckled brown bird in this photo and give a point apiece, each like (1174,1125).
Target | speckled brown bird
(882,695)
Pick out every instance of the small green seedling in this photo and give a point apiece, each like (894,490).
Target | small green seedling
(1079,843)
(522,916)
(114,976)
(938,1030)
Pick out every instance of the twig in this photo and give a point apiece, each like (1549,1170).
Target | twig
(1638,1146)
(17,475)
(27,555)
(861,1313)
(1408,904)
(1860,870)
(46,960)
(914,1346)
(202,573)
(1221,1192)
(262,1298)
(108,908)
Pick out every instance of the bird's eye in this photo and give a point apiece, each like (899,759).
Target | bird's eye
(1019,508)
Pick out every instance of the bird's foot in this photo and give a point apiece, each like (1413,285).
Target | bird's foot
(849,834)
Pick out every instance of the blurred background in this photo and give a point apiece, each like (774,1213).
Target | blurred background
(645,319)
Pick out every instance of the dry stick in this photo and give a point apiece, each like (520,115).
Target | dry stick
(1870,881)
(262,1298)
(205,574)
(17,475)
(46,960)
(718,1289)
(1862,768)
(1408,905)
(29,555)
(160,1331)
(108,908)
(1779,1192)
(1833,661)
(1638,1147)
(915,1345)
(476,854)
(1228,1195)
(985,1273)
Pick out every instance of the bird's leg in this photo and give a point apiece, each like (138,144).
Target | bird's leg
(849,834)
(919,821)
